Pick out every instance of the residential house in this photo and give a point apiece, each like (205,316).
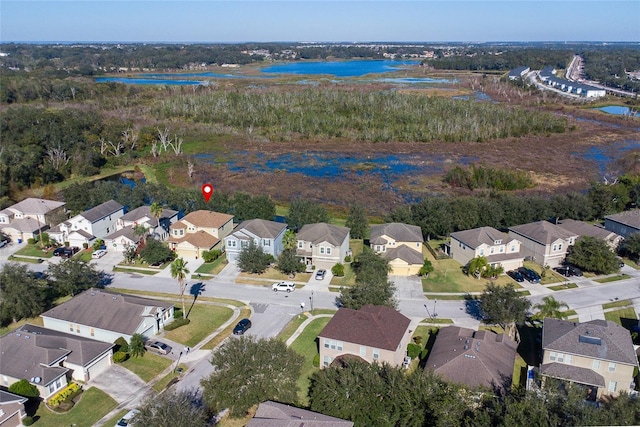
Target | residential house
(598,354)
(500,249)
(121,240)
(582,228)
(95,223)
(623,223)
(30,217)
(265,234)
(158,227)
(50,359)
(473,358)
(323,244)
(11,409)
(274,414)
(543,242)
(373,333)
(400,244)
(106,316)
(200,231)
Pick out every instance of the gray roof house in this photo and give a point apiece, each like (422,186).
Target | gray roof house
(94,223)
(49,359)
(582,228)
(142,216)
(105,316)
(623,223)
(500,249)
(265,234)
(598,354)
(11,409)
(399,243)
(27,218)
(473,358)
(274,414)
(543,242)
(323,244)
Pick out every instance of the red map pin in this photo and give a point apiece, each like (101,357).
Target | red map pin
(207,191)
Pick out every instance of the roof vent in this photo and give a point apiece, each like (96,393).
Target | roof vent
(26,337)
(18,334)
(114,298)
(589,339)
(37,380)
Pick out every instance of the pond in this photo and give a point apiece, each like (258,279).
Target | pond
(606,157)
(619,110)
(354,68)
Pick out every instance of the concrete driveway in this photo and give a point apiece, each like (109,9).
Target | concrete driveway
(122,385)
(408,287)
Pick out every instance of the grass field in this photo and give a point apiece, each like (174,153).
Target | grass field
(621,303)
(613,278)
(205,318)
(563,286)
(623,313)
(35,250)
(448,277)
(147,367)
(244,312)
(93,405)
(212,268)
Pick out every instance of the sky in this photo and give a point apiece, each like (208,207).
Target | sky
(234,21)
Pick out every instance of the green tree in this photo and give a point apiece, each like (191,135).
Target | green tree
(156,211)
(130,254)
(73,275)
(503,306)
(357,222)
(492,271)
(477,267)
(155,251)
(136,345)
(171,408)
(247,207)
(99,243)
(338,270)
(630,247)
(289,263)
(141,231)
(361,294)
(426,268)
(249,371)
(24,388)
(253,259)
(370,268)
(21,297)
(550,307)
(593,254)
(302,212)
(179,272)
(290,240)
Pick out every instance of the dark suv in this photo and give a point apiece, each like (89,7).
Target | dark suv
(529,274)
(242,327)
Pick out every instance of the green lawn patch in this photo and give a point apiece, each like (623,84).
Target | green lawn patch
(212,268)
(93,405)
(291,327)
(35,250)
(15,325)
(213,342)
(356,246)
(134,270)
(437,320)
(448,277)
(349,278)
(563,286)
(205,318)
(147,367)
(307,346)
(85,255)
(24,259)
(452,297)
(113,420)
(623,313)
(519,373)
(164,381)
(613,278)
(621,303)
(570,313)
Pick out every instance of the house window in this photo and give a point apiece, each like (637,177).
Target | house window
(244,244)
(266,242)
(339,345)
(555,248)
(552,356)
(232,243)
(481,252)
(560,358)
(328,251)
(326,360)
(322,249)
(78,328)
(567,359)
(376,354)
(70,327)
(93,332)
(612,386)
(596,364)
(326,343)
(560,247)
(363,351)
(513,248)
(612,367)
(493,250)
(300,245)
(501,249)
(377,248)
(332,345)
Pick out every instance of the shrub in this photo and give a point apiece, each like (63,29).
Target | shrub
(28,420)
(85,245)
(120,356)
(417,339)
(176,324)
(210,256)
(31,241)
(316,360)
(338,270)
(24,388)
(98,244)
(413,350)
(423,353)
(347,258)
(67,393)
(121,345)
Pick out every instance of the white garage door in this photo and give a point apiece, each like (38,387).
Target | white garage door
(100,366)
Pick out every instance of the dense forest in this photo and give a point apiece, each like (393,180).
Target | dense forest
(610,67)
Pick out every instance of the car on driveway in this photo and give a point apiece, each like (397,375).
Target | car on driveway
(529,274)
(516,275)
(320,274)
(158,347)
(58,251)
(283,286)
(98,254)
(242,327)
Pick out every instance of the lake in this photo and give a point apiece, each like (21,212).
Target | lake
(618,110)
(355,68)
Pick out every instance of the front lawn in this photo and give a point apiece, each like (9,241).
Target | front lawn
(623,313)
(245,312)
(448,277)
(204,319)
(212,268)
(149,366)
(307,346)
(36,251)
(349,278)
(615,278)
(93,405)
(273,274)
(563,286)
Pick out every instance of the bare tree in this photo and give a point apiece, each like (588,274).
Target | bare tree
(154,149)
(130,136)
(57,157)
(163,135)
(190,168)
(176,145)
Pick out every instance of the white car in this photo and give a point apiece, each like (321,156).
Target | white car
(283,286)
(98,254)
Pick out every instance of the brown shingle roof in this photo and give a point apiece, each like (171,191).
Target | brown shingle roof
(199,239)
(598,339)
(397,231)
(145,211)
(582,228)
(474,358)
(273,414)
(483,235)
(33,206)
(373,325)
(404,253)
(572,373)
(102,210)
(630,218)
(542,232)
(106,310)
(203,218)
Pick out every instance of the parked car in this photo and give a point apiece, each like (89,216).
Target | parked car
(3,243)
(66,253)
(620,262)
(158,347)
(575,271)
(98,254)
(126,420)
(242,327)
(516,275)
(58,251)
(320,274)
(564,270)
(283,286)
(529,274)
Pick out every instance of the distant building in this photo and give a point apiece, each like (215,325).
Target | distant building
(518,73)
(200,231)
(28,218)
(92,224)
(543,242)
(582,229)
(623,223)
(400,244)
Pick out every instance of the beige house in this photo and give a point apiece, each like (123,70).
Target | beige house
(12,409)
(582,228)
(598,354)
(373,333)
(400,244)
(543,242)
(500,249)
(322,244)
(29,217)
(200,231)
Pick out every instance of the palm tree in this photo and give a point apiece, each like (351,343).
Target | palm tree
(477,266)
(550,307)
(179,271)
(141,231)
(289,240)
(156,211)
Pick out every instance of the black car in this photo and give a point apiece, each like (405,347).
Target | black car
(529,274)
(564,270)
(58,251)
(575,271)
(516,275)
(242,327)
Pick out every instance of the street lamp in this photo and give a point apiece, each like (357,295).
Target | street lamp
(429,314)
(311,301)
(435,314)
(301,307)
